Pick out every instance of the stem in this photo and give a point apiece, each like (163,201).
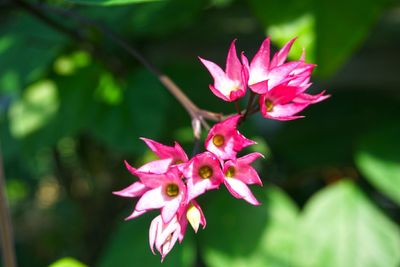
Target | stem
(6,233)
(249,104)
(237,107)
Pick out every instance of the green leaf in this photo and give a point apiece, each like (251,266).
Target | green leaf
(315,142)
(129,246)
(142,112)
(44,43)
(110,2)
(239,234)
(340,227)
(37,105)
(330,32)
(67,262)
(163,18)
(378,159)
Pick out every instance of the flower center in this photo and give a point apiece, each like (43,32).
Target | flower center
(205,172)
(178,161)
(218,140)
(269,105)
(230,172)
(172,190)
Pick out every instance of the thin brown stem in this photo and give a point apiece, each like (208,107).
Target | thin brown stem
(249,104)
(238,107)
(6,232)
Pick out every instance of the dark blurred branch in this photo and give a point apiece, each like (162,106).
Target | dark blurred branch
(6,232)
(36,11)
(197,115)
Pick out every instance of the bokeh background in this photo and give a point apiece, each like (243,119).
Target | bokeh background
(73,105)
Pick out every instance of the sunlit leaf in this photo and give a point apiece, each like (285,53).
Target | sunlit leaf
(378,159)
(239,234)
(67,262)
(108,90)
(340,227)
(38,104)
(69,64)
(329,31)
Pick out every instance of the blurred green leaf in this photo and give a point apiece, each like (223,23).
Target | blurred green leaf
(17,190)
(67,262)
(378,159)
(340,227)
(69,64)
(164,17)
(221,3)
(141,113)
(239,234)
(330,31)
(315,141)
(38,104)
(16,71)
(110,2)
(129,246)
(109,90)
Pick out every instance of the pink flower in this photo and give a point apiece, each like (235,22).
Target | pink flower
(238,174)
(163,235)
(176,153)
(231,84)
(263,74)
(203,172)
(137,189)
(224,140)
(164,191)
(277,103)
(282,85)
(283,102)
(193,214)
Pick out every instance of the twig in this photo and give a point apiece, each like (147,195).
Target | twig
(237,107)
(36,11)
(6,232)
(194,112)
(249,105)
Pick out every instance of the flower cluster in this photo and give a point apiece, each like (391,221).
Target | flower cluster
(280,85)
(173,182)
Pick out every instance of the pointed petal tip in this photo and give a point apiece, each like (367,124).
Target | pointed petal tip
(116,193)
(131,169)
(258,203)
(204,61)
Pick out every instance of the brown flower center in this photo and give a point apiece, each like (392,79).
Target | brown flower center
(269,105)
(205,172)
(218,140)
(172,190)
(230,172)
(178,161)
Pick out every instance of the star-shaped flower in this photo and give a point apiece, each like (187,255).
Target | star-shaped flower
(230,84)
